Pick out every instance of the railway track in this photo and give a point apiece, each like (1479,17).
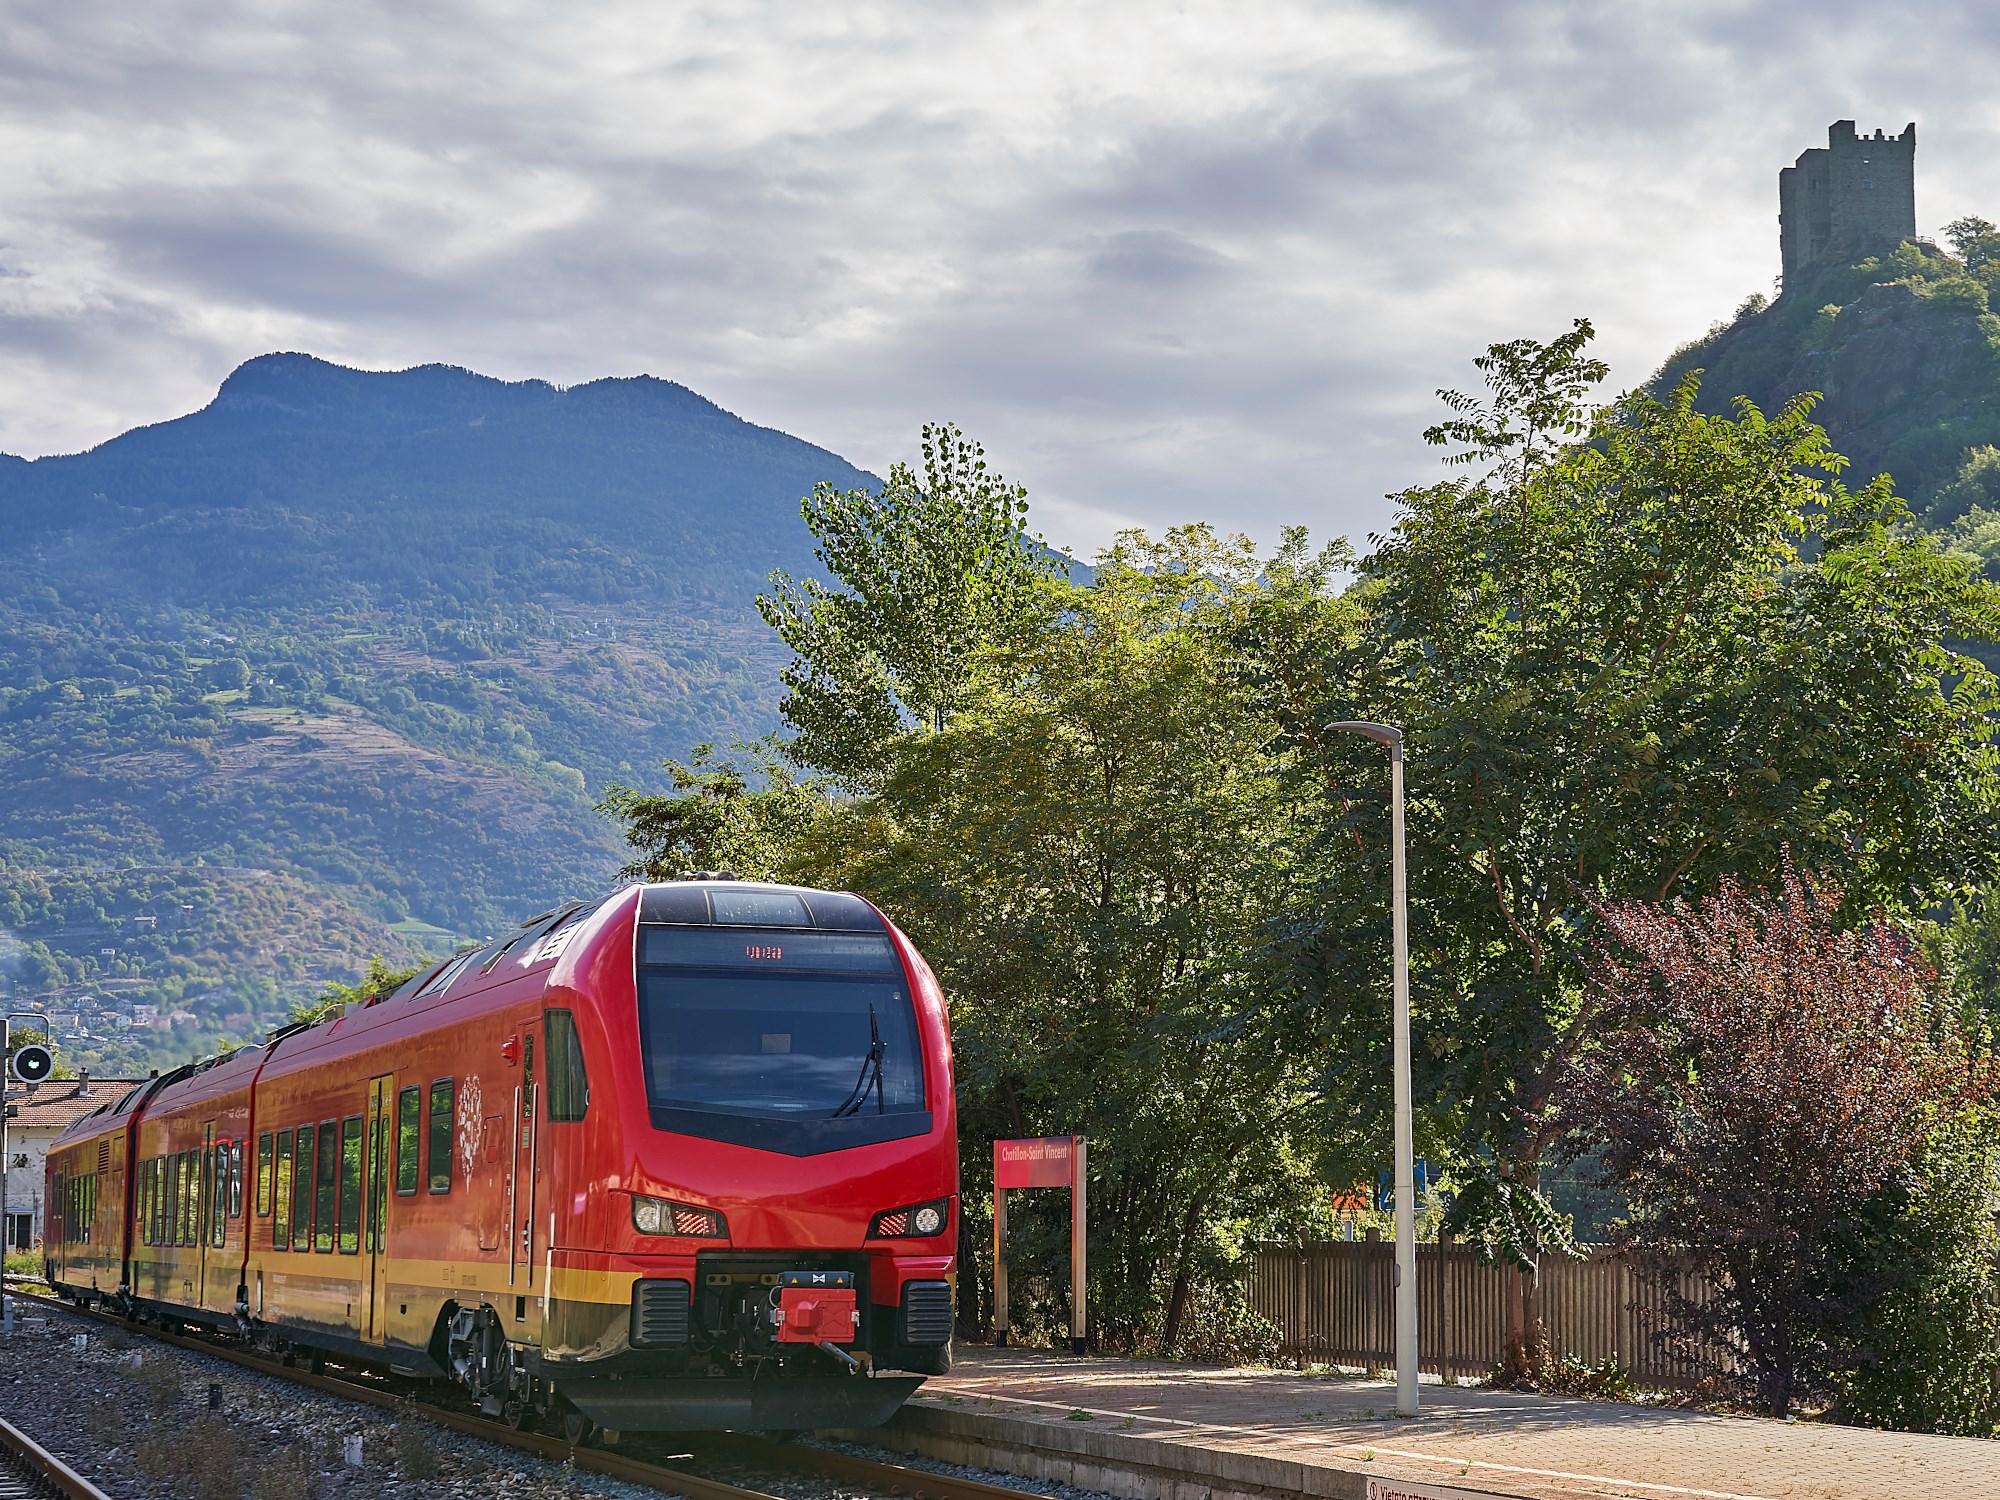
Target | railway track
(874,1475)
(28,1471)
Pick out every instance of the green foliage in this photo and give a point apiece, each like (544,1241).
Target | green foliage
(1086,846)
(1156,889)
(1655,659)
(378,981)
(220,954)
(1901,344)
(1975,488)
(1927,1357)
(1507,1219)
(1974,240)
(742,815)
(923,573)
(1534,405)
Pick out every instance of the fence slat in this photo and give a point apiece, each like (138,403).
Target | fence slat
(1331,1303)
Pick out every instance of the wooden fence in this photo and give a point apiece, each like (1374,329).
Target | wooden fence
(1333,1305)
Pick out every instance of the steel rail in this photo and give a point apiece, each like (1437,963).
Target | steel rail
(822,1463)
(47,1474)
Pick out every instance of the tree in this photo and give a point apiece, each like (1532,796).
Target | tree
(922,574)
(1087,851)
(1627,667)
(1975,240)
(377,981)
(1759,1074)
(743,815)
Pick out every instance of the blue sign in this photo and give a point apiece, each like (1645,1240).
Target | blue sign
(1385,1187)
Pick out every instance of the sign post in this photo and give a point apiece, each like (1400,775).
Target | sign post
(1047,1161)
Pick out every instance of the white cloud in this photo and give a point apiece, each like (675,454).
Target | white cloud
(1202,261)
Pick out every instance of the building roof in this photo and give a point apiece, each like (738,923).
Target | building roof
(58,1104)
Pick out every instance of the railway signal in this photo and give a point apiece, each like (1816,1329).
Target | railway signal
(32,1063)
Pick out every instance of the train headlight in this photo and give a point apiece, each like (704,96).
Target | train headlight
(659,1216)
(919,1221)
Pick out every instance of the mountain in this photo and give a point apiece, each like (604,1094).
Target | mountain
(1906,355)
(338,664)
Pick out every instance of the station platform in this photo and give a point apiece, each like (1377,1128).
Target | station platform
(1164,1431)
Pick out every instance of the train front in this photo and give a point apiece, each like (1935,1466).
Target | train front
(756,1207)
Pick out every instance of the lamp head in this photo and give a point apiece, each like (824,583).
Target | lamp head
(1381,734)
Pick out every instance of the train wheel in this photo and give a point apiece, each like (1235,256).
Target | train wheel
(577,1428)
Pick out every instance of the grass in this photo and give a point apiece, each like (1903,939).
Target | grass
(416,1454)
(420,932)
(24,1263)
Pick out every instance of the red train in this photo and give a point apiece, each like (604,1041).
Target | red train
(684,1158)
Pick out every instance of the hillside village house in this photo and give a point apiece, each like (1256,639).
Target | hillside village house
(43,1116)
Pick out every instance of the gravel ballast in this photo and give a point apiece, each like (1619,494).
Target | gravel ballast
(148,1421)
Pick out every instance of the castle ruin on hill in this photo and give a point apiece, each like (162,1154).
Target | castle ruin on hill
(1856,192)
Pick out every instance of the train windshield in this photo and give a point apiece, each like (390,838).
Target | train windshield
(745,1026)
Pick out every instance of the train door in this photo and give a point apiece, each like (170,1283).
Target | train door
(524,1195)
(204,1204)
(375,1215)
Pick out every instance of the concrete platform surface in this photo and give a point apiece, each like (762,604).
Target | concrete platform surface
(1260,1433)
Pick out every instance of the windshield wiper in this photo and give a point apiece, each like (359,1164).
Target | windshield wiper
(870,1075)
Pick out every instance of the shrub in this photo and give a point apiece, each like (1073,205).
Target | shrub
(1763,1076)
(1926,1359)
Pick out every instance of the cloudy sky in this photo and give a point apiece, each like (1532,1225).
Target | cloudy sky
(1169,261)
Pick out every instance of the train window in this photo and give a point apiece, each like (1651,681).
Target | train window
(264,1175)
(378,1171)
(440,1144)
(190,1198)
(754,908)
(528,1078)
(441,980)
(302,1189)
(326,1187)
(281,1194)
(569,1090)
(409,1131)
(350,1185)
(235,1179)
(218,1201)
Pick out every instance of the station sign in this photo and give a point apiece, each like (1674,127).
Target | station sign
(1049,1161)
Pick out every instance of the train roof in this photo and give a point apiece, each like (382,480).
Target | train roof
(722,901)
(709,899)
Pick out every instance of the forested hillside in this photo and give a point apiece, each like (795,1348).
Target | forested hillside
(1905,351)
(373,643)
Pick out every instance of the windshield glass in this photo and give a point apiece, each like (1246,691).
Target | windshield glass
(777,1025)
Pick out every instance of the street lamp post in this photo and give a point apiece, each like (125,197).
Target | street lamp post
(1391,738)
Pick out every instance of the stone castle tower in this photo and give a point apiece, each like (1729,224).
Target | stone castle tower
(1859,191)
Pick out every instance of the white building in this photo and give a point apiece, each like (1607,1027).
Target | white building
(42,1116)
